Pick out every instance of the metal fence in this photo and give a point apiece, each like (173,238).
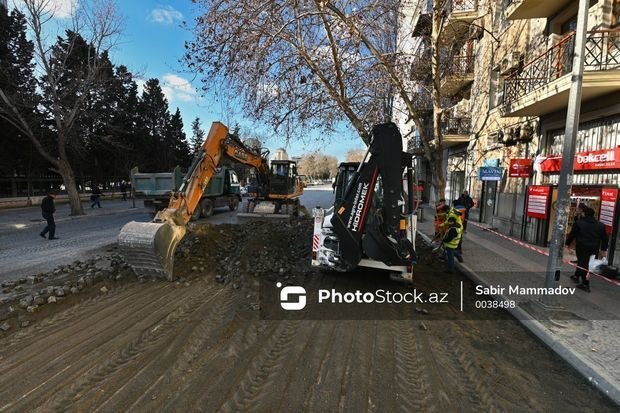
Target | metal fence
(460,6)
(456,125)
(602,52)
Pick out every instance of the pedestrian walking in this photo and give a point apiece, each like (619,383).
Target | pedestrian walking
(467,203)
(451,242)
(123,188)
(579,214)
(591,239)
(47,211)
(95,195)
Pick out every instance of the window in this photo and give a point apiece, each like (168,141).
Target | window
(496,88)
(615,14)
(500,23)
(569,26)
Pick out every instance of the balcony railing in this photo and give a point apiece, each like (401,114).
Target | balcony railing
(422,101)
(602,52)
(459,65)
(456,126)
(461,6)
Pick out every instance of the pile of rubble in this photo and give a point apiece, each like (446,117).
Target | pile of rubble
(241,254)
(29,294)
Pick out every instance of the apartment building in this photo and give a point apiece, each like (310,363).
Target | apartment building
(506,94)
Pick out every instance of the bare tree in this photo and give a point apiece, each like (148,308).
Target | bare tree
(318,165)
(355,155)
(98,24)
(303,64)
(309,64)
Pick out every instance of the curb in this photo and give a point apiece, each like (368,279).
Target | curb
(599,380)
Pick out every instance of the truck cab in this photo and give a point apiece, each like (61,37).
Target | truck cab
(156,188)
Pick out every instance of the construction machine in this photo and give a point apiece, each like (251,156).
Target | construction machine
(372,222)
(149,246)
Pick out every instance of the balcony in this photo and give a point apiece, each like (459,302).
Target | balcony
(422,102)
(461,14)
(458,72)
(456,130)
(533,9)
(542,86)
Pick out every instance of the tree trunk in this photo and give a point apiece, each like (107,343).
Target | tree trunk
(68,178)
(438,167)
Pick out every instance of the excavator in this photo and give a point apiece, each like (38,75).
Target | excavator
(149,246)
(372,222)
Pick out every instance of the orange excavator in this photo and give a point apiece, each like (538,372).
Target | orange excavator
(149,246)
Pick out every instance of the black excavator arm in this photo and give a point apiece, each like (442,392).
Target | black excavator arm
(368,218)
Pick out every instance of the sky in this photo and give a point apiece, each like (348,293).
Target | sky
(152,45)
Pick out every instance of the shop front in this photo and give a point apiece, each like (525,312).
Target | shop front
(594,181)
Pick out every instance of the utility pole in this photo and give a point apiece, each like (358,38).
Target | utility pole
(565,182)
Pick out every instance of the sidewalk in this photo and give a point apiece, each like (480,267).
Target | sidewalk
(584,329)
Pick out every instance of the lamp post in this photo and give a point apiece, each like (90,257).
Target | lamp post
(565,181)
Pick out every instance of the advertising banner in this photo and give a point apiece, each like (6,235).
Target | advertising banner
(586,161)
(520,168)
(608,208)
(537,201)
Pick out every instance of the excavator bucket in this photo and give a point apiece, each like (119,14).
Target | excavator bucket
(149,247)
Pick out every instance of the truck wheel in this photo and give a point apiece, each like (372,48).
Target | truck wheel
(207,207)
(233,203)
(197,213)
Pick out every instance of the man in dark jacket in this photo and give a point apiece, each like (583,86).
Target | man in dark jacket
(47,210)
(591,240)
(466,201)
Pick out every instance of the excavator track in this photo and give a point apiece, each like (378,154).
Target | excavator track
(149,247)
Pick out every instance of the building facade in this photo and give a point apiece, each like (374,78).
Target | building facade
(504,88)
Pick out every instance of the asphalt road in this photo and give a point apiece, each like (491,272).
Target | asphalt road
(23,252)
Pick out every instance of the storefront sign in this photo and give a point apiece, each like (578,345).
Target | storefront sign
(586,161)
(608,208)
(520,168)
(489,173)
(537,201)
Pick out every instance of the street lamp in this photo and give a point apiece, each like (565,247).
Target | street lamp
(565,181)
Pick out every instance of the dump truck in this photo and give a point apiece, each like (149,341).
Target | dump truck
(155,189)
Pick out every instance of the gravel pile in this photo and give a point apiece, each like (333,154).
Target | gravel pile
(28,295)
(241,254)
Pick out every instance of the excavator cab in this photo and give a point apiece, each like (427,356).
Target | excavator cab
(284,178)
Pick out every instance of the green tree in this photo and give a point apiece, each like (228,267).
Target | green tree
(198,136)
(176,141)
(18,83)
(153,124)
(96,21)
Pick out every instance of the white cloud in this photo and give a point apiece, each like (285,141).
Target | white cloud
(61,9)
(165,15)
(177,88)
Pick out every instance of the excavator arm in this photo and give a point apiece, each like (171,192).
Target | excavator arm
(149,247)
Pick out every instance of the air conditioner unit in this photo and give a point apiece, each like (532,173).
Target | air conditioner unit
(511,63)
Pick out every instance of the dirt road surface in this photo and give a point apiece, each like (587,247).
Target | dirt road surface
(199,345)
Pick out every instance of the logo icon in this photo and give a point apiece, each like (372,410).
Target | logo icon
(292,298)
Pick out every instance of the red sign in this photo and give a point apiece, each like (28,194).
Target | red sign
(608,208)
(520,168)
(537,201)
(586,161)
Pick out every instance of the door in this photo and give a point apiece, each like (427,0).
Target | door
(488,199)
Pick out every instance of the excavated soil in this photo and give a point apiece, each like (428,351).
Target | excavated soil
(198,345)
